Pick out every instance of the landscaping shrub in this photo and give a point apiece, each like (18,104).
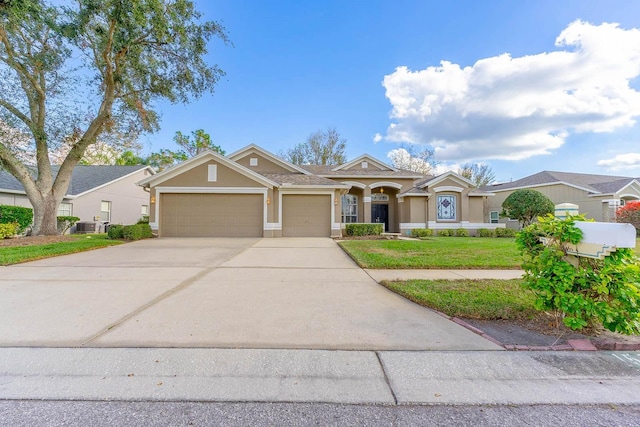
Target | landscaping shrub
(486,232)
(526,205)
(462,232)
(580,290)
(630,214)
(506,232)
(66,222)
(364,229)
(18,215)
(132,232)
(8,230)
(115,231)
(143,220)
(446,232)
(146,230)
(421,232)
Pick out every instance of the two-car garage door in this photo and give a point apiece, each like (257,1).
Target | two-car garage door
(211,215)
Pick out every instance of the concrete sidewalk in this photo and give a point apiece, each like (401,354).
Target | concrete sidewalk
(380,275)
(354,377)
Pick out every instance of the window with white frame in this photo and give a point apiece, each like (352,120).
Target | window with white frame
(349,208)
(105,211)
(494,217)
(446,206)
(65,209)
(145,210)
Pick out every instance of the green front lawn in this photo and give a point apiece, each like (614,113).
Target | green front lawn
(435,252)
(471,299)
(80,243)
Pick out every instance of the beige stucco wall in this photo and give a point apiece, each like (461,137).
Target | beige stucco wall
(476,210)
(264,164)
(198,177)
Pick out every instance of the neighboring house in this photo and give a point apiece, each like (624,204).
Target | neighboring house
(597,196)
(99,194)
(253,193)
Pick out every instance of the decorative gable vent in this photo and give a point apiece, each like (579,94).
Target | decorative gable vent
(365,165)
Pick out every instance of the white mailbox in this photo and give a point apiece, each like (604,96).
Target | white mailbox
(599,239)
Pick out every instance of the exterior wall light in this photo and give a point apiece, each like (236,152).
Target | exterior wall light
(268,200)
(153,199)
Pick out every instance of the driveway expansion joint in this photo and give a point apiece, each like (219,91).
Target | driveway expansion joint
(180,287)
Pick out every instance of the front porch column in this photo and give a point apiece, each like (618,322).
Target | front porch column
(366,203)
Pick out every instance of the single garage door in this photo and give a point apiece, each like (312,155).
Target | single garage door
(306,215)
(211,215)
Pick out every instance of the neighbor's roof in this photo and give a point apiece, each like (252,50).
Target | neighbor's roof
(83,179)
(597,184)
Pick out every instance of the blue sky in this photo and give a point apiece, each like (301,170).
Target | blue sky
(564,99)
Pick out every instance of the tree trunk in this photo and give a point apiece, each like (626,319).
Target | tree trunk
(45,213)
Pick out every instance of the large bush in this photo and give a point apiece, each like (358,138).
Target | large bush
(526,205)
(580,290)
(358,229)
(630,214)
(16,215)
(446,232)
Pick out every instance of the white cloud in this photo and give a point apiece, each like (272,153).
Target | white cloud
(514,108)
(622,161)
(377,138)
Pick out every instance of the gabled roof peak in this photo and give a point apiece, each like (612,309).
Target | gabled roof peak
(368,158)
(276,159)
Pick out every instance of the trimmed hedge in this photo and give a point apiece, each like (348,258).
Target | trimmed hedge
(364,229)
(462,232)
(16,215)
(8,230)
(446,232)
(422,232)
(115,231)
(505,232)
(486,232)
(130,232)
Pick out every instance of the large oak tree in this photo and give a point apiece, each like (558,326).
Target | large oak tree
(88,70)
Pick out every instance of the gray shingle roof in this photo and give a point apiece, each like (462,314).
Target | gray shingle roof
(298,179)
(325,170)
(84,178)
(605,184)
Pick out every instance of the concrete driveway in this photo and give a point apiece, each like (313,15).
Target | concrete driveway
(219,293)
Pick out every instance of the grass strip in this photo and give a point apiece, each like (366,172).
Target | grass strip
(435,252)
(19,254)
(471,299)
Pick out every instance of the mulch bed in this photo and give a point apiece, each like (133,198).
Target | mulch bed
(34,240)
